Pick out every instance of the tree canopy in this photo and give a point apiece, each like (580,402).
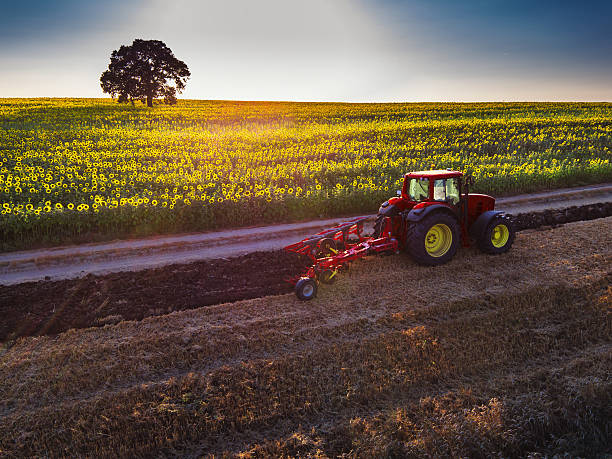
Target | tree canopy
(144,71)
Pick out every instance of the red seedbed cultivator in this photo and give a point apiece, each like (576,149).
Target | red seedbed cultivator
(332,250)
(432,214)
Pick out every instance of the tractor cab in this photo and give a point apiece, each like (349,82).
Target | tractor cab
(425,188)
(433,186)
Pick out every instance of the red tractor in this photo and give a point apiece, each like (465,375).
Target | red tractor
(428,218)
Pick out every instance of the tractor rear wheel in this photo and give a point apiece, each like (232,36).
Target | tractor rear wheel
(433,240)
(498,236)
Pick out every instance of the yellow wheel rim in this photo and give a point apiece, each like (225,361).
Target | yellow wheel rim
(500,235)
(438,240)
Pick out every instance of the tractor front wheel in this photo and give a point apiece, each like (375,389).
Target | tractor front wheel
(433,240)
(498,235)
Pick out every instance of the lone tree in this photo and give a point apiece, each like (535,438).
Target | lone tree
(143,71)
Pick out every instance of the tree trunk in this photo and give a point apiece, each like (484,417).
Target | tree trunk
(149,100)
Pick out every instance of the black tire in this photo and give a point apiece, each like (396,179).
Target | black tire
(416,242)
(306,288)
(379,224)
(495,239)
(328,276)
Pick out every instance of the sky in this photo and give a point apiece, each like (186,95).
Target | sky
(320,50)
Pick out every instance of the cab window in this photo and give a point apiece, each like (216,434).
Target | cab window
(418,190)
(447,190)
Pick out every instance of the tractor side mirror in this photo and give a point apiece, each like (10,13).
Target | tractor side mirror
(398,192)
(469,180)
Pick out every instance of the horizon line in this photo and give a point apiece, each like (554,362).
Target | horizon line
(569,101)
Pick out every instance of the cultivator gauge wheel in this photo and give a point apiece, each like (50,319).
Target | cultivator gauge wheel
(306,288)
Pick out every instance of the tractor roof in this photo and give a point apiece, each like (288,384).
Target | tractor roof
(436,174)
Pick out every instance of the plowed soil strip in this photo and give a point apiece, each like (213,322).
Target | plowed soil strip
(41,308)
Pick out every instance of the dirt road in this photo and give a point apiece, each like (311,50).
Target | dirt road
(504,356)
(133,255)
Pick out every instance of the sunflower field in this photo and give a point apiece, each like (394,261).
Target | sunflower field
(90,169)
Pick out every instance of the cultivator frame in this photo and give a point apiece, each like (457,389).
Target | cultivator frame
(332,250)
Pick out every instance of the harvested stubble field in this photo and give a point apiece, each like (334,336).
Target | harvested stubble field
(484,356)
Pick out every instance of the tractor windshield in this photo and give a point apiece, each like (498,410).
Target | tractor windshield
(418,189)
